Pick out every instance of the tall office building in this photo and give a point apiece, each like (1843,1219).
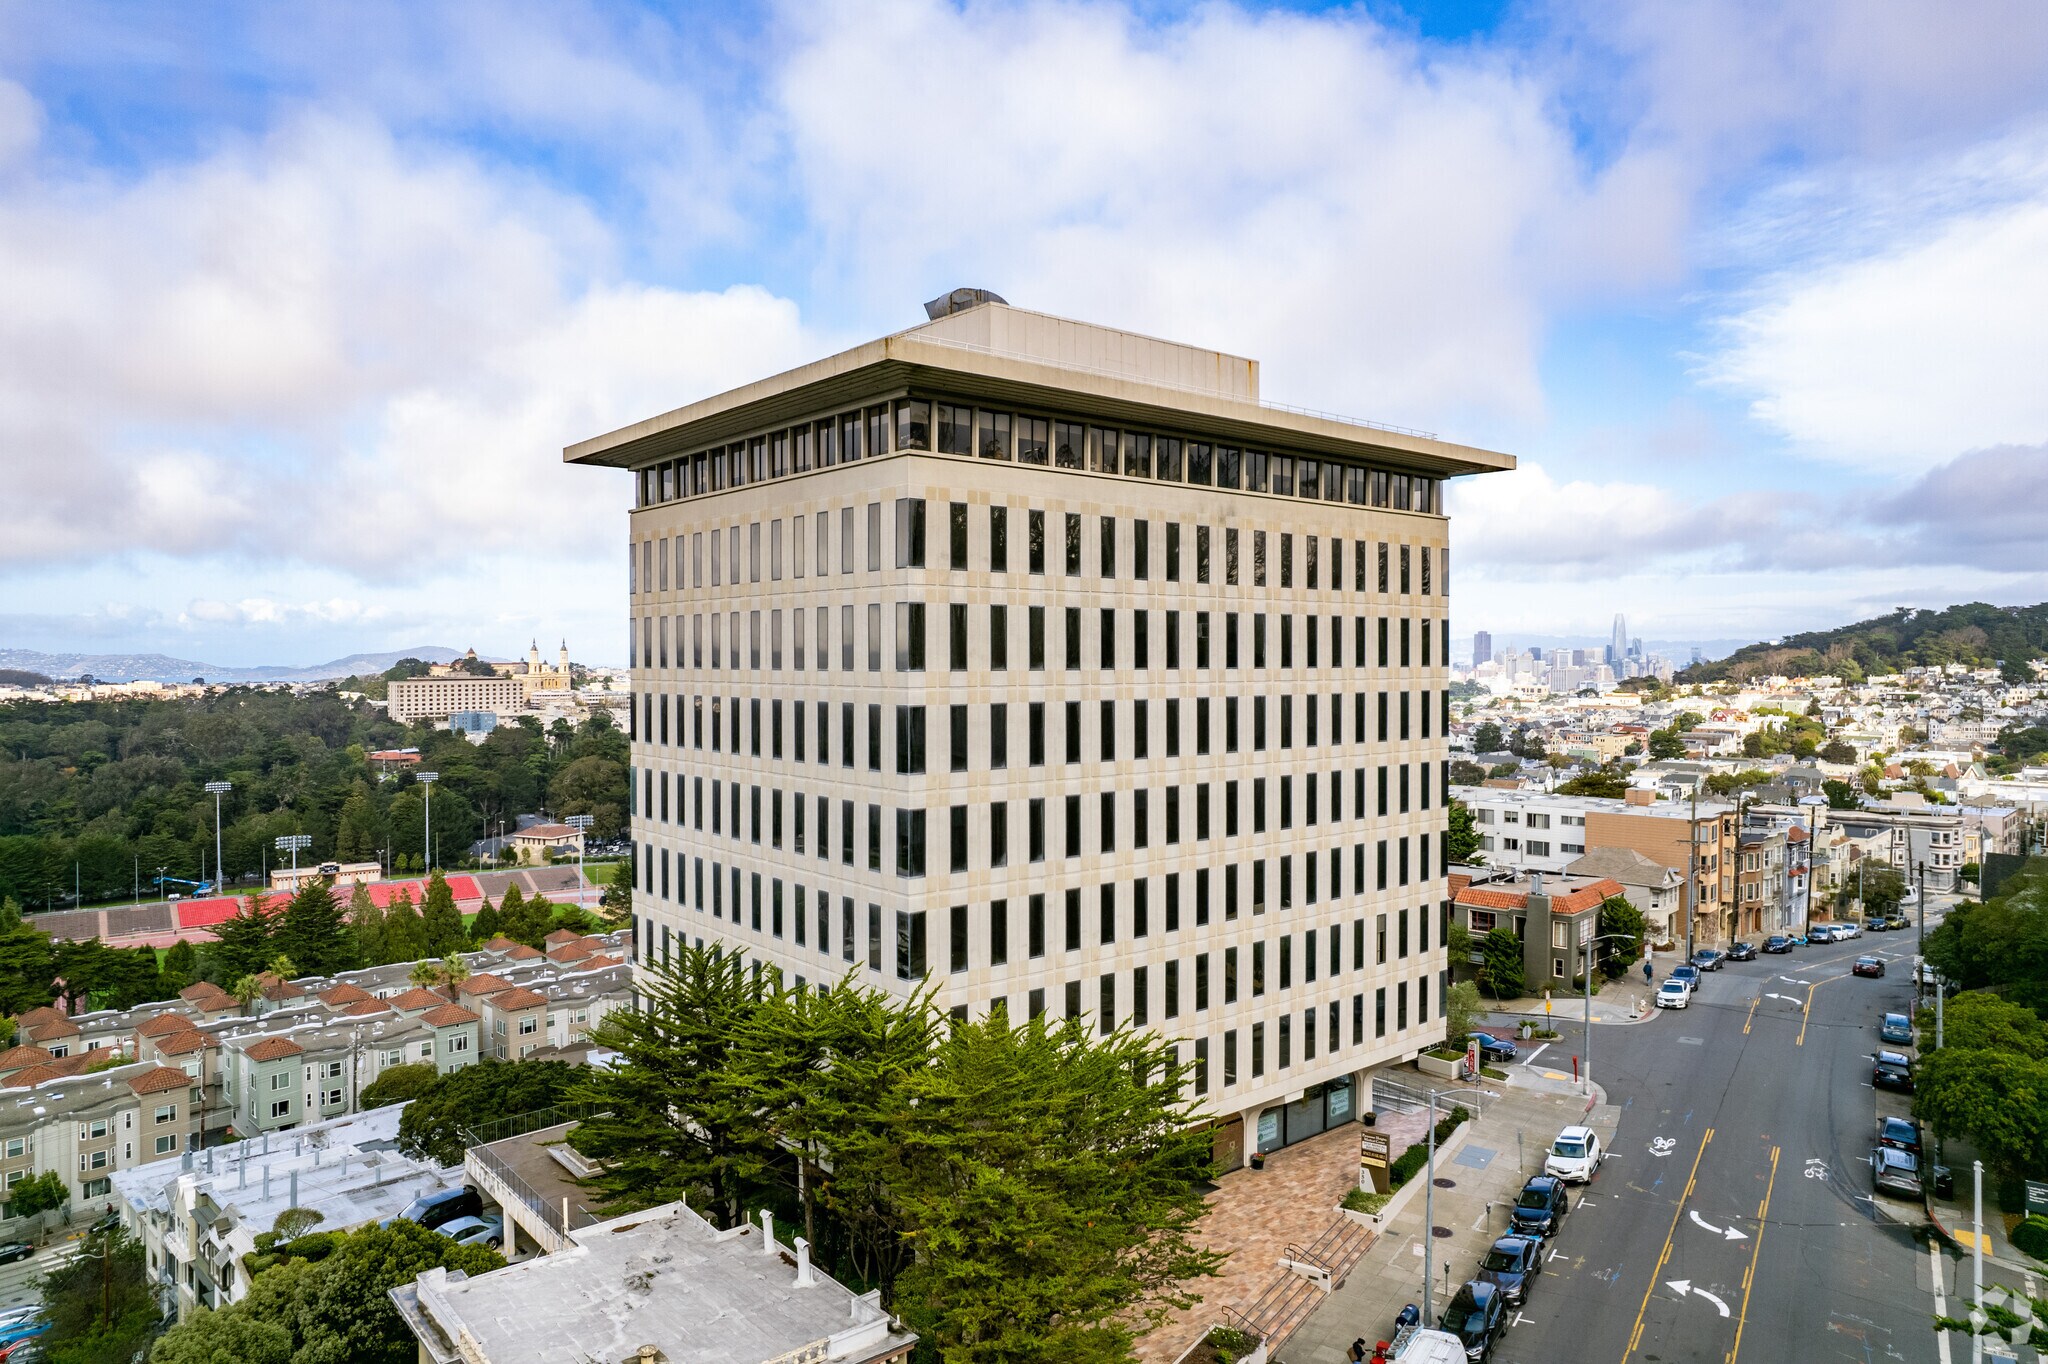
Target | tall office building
(1617,647)
(1482,647)
(1045,659)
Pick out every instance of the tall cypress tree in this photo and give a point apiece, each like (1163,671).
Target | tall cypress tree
(313,934)
(440,920)
(366,921)
(404,938)
(241,946)
(485,926)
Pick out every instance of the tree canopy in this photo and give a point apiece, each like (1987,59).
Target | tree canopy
(99,1303)
(444,1107)
(1977,634)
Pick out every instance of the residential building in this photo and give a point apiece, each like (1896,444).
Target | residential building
(537,843)
(1760,881)
(199,1215)
(87,1127)
(657,1287)
(1556,916)
(1653,888)
(1044,659)
(413,699)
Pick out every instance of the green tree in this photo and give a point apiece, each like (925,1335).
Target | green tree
(1978,1021)
(1880,885)
(484,927)
(99,1304)
(28,964)
(615,907)
(359,833)
(241,946)
(405,937)
(1666,745)
(1463,844)
(666,1128)
(1462,1007)
(1841,795)
(1052,1184)
(1835,751)
(312,932)
(593,786)
(1619,916)
(366,926)
(1500,974)
(181,965)
(1487,738)
(527,921)
(397,1084)
(440,921)
(1606,783)
(47,1192)
(433,1123)
(1997,1099)
(332,1310)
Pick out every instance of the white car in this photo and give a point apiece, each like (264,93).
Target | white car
(1575,1156)
(1673,994)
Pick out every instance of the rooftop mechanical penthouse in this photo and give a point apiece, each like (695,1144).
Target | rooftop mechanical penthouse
(1046,660)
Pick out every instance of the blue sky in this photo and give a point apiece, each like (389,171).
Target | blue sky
(298,305)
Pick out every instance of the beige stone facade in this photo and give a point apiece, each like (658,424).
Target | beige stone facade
(413,699)
(1076,690)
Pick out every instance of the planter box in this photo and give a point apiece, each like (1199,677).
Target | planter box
(1374,1222)
(1437,1066)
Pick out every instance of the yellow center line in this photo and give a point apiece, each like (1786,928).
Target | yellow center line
(1636,1334)
(1807,1013)
(1749,1275)
(1752,1014)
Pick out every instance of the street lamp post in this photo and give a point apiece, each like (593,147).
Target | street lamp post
(1586,1072)
(581,824)
(427,779)
(291,843)
(1429,1215)
(217,789)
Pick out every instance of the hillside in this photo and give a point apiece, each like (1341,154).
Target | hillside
(1976,634)
(159,668)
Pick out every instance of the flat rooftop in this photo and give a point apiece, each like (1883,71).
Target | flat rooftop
(664,1277)
(1012,357)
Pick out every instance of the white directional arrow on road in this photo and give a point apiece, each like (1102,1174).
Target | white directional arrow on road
(1729,1232)
(1789,999)
(1684,1286)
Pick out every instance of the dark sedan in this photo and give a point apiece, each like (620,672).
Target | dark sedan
(10,1251)
(1512,1264)
(1777,942)
(1492,1048)
(1901,1134)
(1867,966)
(1742,951)
(1477,1315)
(1892,1070)
(1540,1208)
(1707,959)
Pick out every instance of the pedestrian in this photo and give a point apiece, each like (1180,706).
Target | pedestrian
(1648,974)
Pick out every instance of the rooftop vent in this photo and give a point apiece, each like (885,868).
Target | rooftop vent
(959,301)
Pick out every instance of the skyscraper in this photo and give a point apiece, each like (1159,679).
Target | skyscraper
(1043,659)
(1617,647)
(1482,647)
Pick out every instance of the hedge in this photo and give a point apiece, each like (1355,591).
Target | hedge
(1416,1156)
(2031,1236)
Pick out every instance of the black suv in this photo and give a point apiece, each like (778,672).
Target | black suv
(1540,1208)
(1892,1070)
(1477,1315)
(1511,1264)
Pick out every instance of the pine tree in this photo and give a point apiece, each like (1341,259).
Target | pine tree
(440,920)
(366,921)
(529,921)
(181,965)
(313,934)
(356,833)
(404,936)
(485,926)
(241,946)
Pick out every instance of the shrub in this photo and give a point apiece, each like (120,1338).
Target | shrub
(2031,1236)
(1358,1200)
(316,1245)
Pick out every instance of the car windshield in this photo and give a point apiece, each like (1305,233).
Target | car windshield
(1537,1199)
(1501,1259)
(1472,1323)
(1674,987)
(1570,1146)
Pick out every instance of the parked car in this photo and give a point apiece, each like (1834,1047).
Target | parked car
(1895,1028)
(1902,1134)
(1874,924)
(1821,933)
(1492,1048)
(1892,1070)
(1690,975)
(1894,1171)
(1777,942)
(1511,1264)
(1540,1208)
(1575,1156)
(1707,959)
(107,1221)
(1477,1315)
(27,1329)
(1849,928)
(1868,966)
(1898,923)
(436,1210)
(27,1350)
(1742,951)
(1672,994)
(487,1230)
(10,1251)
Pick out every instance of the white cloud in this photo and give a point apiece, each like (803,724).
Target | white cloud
(1385,225)
(1896,361)
(21,121)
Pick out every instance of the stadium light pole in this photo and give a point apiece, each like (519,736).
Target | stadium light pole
(291,843)
(427,779)
(581,824)
(217,789)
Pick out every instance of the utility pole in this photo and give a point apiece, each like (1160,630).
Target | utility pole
(427,779)
(1920,892)
(217,789)
(581,824)
(1429,1221)
(1692,878)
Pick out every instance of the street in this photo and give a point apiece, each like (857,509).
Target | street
(1734,1219)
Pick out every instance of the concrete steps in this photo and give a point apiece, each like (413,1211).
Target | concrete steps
(1289,1298)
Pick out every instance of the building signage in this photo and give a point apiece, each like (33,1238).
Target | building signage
(1375,1154)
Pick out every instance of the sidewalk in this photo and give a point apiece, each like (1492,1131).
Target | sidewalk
(1620,1001)
(1484,1165)
(1954,1219)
